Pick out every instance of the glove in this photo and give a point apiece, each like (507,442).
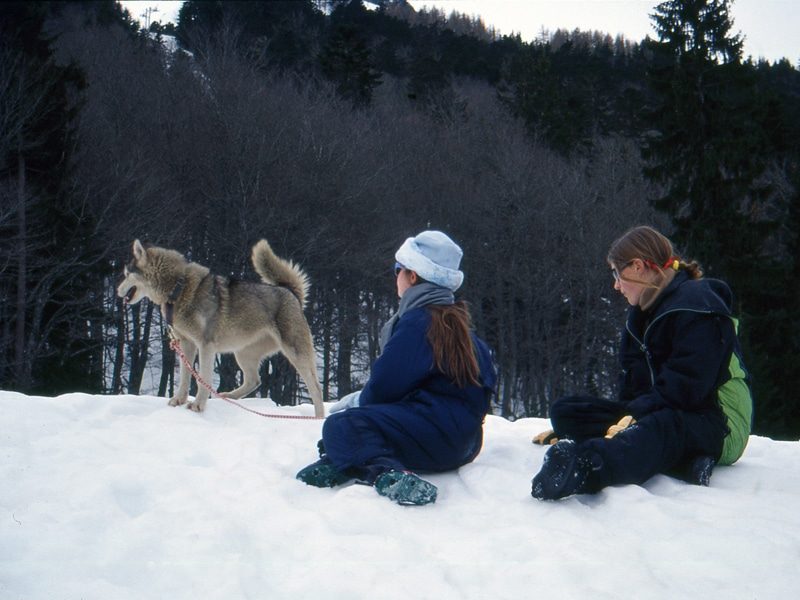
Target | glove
(546,437)
(348,401)
(623,423)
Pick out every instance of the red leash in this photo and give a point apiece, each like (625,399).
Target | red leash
(175,345)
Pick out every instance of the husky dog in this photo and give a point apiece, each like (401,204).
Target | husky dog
(211,314)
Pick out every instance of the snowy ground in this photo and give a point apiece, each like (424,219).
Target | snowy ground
(123,497)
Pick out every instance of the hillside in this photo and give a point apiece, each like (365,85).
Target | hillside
(124,497)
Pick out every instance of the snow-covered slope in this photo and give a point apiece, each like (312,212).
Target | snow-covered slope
(123,497)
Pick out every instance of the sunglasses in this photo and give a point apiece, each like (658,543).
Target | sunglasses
(616,274)
(398,268)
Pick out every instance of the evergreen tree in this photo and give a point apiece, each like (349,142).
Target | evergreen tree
(550,100)
(47,289)
(280,32)
(708,144)
(346,61)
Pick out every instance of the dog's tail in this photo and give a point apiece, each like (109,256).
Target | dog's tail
(278,271)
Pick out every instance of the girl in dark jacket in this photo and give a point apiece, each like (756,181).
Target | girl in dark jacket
(685,402)
(428,392)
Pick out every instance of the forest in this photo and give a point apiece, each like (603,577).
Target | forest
(336,129)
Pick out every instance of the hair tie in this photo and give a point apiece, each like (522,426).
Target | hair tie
(672,263)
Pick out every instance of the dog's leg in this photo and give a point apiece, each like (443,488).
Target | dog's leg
(207,354)
(190,350)
(249,360)
(303,359)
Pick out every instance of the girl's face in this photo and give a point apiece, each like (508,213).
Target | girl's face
(634,270)
(405,279)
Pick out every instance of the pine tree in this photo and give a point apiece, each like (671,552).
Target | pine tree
(281,32)
(706,144)
(709,145)
(346,61)
(50,280)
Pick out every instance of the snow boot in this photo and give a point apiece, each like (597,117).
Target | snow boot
(564,472)
(701,469)
(322,474)
(696,471)
(405,488)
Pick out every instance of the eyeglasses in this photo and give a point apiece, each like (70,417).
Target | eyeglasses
(617,274)
(397,268)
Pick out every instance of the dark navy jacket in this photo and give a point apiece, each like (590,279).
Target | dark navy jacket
(677,354)
(429,422)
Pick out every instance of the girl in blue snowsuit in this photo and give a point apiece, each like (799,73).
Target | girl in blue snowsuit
(424,404)
(685,401)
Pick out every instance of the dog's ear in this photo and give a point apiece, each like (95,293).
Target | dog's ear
(139,252)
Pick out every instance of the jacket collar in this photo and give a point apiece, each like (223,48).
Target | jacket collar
(684,293)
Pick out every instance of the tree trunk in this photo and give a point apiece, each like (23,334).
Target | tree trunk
(228,370)
(326,351)
(344,355)
(23,369)
(119,351)
(166,385)
(283,381)
(139,346)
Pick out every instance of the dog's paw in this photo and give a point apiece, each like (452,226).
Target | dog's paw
(196,406)
(177,401)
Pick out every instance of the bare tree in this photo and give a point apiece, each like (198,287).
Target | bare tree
(210,155)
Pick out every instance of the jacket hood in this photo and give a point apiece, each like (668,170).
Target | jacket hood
(705,295)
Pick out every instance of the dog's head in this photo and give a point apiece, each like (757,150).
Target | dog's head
(134,285)
(152,273)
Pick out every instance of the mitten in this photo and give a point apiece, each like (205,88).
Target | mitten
(348,401)
(623,423)
(546,437)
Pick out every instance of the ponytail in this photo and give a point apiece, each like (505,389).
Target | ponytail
(453,350)
(693,268)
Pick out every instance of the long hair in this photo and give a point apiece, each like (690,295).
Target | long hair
(653,248)
(453,350)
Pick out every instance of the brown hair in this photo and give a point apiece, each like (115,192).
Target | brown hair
(453,350)
(654,248)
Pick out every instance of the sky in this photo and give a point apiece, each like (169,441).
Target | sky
(770,27)
(125,498)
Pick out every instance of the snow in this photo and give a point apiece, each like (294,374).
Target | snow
(124,497)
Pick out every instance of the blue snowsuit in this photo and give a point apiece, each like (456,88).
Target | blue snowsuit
(684,382)
(411,416)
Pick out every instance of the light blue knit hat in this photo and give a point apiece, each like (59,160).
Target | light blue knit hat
(434,257)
